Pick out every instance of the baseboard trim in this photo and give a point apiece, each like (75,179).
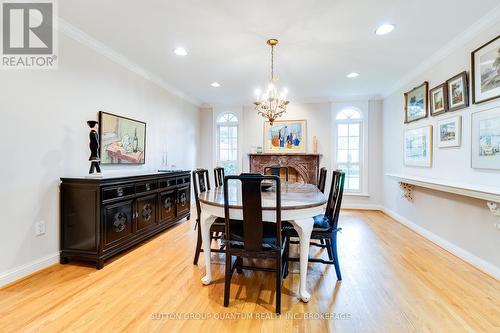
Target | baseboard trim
(22,271)
(466,256)
(362,207)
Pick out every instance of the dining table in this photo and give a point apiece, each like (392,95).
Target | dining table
(300,202)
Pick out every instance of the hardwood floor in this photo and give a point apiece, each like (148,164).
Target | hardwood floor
(394,281)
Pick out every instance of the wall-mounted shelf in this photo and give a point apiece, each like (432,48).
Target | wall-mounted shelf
(487,193)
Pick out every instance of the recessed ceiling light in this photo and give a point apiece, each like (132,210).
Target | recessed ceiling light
(352,75)
(215,84)
(384,29)
(180,51)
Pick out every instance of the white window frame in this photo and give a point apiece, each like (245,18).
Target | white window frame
(218,125)
(363,144)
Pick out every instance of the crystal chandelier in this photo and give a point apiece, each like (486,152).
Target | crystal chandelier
(271,104)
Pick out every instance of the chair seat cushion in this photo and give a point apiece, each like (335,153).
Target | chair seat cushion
(321,223)
(268,234)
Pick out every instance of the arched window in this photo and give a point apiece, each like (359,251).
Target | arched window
(227,142)
(349,143)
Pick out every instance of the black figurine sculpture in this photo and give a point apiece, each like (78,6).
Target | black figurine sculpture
(94,147)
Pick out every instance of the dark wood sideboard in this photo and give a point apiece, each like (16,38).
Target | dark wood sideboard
(102,217)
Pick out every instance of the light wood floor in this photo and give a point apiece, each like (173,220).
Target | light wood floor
(394,281)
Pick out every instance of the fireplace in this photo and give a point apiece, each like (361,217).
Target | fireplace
(302,168)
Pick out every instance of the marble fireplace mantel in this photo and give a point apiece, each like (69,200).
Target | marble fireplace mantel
(306,165)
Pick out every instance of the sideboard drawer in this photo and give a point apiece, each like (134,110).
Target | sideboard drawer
(146,187)
(183,180)
(168,182)
(109,193)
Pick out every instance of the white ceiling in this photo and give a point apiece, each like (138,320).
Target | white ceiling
(321,41)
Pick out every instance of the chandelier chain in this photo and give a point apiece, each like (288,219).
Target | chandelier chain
(272,62)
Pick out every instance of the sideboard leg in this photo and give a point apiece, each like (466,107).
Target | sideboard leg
(63,260)
(99,264)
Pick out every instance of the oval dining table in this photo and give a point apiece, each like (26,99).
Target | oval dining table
(299,204)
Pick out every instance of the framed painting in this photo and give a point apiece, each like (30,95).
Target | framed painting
(450,132)
(438,100)
(418,147)
(285,136)
(416,103)
(458,92)
(485,69)
(122,140)
(486,139)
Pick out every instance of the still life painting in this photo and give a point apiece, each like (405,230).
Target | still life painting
(486,72)
(458,93)
(450,132)
(418,147)
(123,140)
(285,136)
(486,139)
(416,103)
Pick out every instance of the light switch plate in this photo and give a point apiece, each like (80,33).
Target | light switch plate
(40,228)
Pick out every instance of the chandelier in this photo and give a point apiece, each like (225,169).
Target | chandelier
(271,104)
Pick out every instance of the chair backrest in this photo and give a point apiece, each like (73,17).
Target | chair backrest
(322,179)
(201,183)
(251,196)
(275,170)
(219,176)
(335,198)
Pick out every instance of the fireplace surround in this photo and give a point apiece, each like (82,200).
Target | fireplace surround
(302,167)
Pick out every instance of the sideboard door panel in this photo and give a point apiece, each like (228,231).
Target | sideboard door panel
(183,200)
(167,206)
(146,212)
(118,220)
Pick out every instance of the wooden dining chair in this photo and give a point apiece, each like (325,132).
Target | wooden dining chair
(322,179)
(325,226)
(201,183)
(275,170)
(253,238)
(219,176)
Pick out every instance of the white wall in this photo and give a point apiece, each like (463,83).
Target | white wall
(320,123)
(45,136)
(317,115)
(463,225)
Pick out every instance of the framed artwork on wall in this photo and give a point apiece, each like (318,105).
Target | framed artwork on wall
(485,69)
(416,103)
(458,92)
(486,139)
(122,140)
(418,147)
(438,100)
(449,132)
(285,136)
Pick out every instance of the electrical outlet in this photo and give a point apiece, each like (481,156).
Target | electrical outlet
(40,228)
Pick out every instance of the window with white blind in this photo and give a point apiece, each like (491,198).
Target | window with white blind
(349,146)
(227,143)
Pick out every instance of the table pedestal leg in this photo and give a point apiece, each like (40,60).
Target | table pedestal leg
(206,222)
(304,229)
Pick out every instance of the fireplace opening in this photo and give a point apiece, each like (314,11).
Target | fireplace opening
(293,175)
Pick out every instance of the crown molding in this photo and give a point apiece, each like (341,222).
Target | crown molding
(466,36)
(78,35)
